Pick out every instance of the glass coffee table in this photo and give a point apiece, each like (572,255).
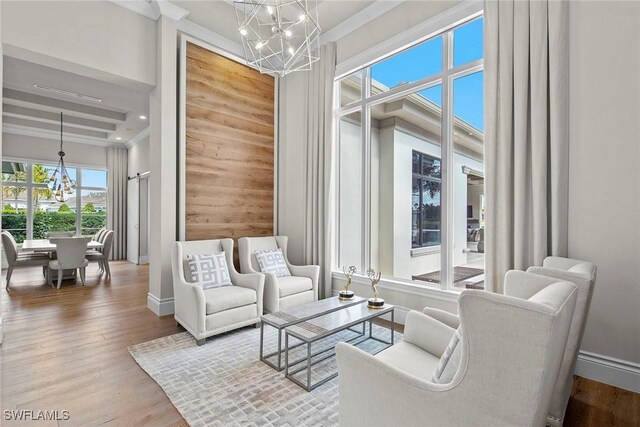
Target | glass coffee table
(324,326)
(301,313)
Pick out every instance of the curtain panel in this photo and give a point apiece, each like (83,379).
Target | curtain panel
(117,200)
(319,195)
(526,134)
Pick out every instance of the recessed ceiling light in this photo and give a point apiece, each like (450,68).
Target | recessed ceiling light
(142,117)
(118,138)
(67,93)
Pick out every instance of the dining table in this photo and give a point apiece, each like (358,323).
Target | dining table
(43,245)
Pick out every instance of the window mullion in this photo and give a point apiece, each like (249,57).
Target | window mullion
(365,134)
(78,201)
(29,185)
(446,219)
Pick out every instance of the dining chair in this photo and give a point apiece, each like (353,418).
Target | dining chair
(71,253)
(54,234)
(16,259)
(101,256)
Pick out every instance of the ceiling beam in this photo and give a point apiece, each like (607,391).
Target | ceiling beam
(25,99)
(51,127)
(51,117)
(36,133)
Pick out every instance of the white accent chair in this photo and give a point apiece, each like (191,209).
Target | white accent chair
(583,275)
(510,356)
(279,292)
(204,313)
(101,256)
(17,259)
(70,255)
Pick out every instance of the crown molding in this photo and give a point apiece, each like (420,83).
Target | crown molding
(360,19)
(139,137)
(170,10)
(140,7)
(155,9)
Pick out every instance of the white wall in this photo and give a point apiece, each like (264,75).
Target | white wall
(46,150)
(94,38)
(604,179)
(138,161)
(292,163)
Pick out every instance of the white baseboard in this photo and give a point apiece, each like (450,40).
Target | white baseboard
(160,307)
(609,370)
(144,259)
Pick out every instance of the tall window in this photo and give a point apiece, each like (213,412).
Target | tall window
(410,162)
(29,209)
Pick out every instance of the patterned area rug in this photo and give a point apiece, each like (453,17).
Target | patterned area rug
(224,383)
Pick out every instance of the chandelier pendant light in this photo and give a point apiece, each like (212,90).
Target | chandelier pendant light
(60,182)
(279,36)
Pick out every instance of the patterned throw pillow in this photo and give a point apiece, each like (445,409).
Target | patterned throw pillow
(272,261)
(449,361)
(209,270)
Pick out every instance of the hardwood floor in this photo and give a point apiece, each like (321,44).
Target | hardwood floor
(67,350)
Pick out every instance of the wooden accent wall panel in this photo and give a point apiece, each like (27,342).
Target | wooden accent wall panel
(229,148)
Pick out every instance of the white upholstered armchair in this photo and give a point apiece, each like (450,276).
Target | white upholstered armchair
(208,312)
(510,355)
(583,275)
(580,273)
(279,292)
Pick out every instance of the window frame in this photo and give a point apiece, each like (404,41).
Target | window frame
(445,78)
(30,185)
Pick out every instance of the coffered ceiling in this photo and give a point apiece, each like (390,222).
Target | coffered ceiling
(94,112)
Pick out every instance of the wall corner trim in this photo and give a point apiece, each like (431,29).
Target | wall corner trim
(139,137)
(160,307)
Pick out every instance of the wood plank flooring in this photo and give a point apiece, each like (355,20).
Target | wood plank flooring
(67,350)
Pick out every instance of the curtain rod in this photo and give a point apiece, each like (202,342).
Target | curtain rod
(139,175)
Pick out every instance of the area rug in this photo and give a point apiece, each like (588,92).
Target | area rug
(224,383)
(459,274)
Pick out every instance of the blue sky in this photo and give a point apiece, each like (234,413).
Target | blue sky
(90,177)
(425,60)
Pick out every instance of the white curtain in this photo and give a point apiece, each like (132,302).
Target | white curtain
(526,134)
(318,241)
(117,200)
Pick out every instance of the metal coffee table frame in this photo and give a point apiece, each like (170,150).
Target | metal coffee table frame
(309,341)
(266,320)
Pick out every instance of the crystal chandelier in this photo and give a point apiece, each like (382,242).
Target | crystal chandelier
(60,182)
(279,36)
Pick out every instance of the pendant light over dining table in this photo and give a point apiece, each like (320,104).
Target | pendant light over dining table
(279,36)
(60,182)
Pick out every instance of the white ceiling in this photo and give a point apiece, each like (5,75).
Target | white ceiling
(219,16)
(115,120)
(36,112)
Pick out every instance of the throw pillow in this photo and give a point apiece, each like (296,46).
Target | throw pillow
(449,361)
(209,270)
(272,261)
